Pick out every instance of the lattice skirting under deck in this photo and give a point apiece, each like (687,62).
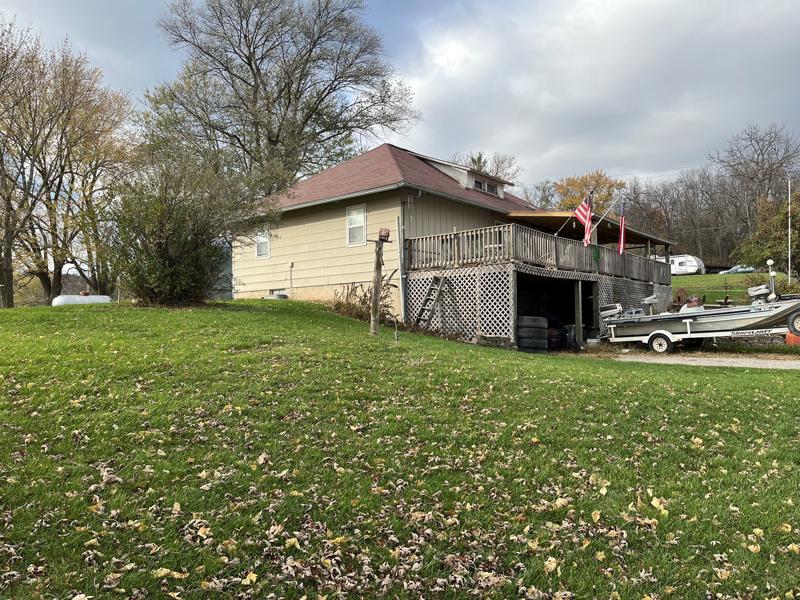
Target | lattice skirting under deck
(479,302)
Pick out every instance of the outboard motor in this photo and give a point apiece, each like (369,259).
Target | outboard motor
(610,311)
(650,302)
(760,293)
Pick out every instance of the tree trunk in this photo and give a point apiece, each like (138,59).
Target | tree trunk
(6,280)
(44,280)
(104,286)
(6,264)
(57,281)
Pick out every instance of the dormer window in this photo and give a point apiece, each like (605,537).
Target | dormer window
(486,186)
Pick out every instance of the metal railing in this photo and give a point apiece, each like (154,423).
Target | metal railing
(503,243)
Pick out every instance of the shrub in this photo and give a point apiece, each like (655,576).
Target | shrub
(783,285)
(174,221)
(355,299)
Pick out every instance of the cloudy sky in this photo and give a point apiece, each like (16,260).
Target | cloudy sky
(629,86)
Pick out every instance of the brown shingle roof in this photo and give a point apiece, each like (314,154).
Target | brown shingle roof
(387,167)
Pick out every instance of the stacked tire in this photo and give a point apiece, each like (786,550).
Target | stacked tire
(532,334)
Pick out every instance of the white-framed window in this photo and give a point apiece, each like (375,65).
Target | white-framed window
(263,244)
(479,185)
(356,218)
(491,188)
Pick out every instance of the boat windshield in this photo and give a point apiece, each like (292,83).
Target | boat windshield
(686,308)
(693,304)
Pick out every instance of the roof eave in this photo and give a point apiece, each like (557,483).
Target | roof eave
(377,190)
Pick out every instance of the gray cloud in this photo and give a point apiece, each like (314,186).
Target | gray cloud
(625,86)
(567,86)
(118,36)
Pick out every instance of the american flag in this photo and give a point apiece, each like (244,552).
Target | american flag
(584,214)
(621,246)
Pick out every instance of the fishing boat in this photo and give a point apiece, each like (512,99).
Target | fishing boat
(768,314)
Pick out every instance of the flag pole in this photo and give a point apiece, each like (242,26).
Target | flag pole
(608,210)
(591,194)
(569,218)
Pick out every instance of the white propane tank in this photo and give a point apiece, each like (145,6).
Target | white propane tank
(65,299)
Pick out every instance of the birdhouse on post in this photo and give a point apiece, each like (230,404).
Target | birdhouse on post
(375,305)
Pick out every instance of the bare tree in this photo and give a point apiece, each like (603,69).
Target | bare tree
(20,64)
(99,160)
(540,195)
(501,165)
(286,86)
(59,134)
(757,161)
(77,113)
(693,210)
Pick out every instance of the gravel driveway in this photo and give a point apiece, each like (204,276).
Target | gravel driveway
(745,362)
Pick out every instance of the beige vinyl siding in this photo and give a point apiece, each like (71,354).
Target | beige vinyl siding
(432,215)
(315,240)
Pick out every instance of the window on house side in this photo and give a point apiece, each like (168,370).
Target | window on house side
(479,184)
(263,245)
(356,225)
(491,188)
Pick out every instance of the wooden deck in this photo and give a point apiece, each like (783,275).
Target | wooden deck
(512,242)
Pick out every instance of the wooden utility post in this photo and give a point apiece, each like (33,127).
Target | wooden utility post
(579,312)
(375,305)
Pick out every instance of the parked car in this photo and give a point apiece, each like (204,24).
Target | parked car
(738,269)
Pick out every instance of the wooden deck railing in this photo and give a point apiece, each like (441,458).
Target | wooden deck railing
(503,243)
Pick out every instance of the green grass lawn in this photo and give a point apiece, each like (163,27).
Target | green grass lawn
(715,287)
(271,447)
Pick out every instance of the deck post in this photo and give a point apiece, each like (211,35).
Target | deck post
(514,303)
(555,253)
(578,313)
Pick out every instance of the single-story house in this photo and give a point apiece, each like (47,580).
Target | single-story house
(470,257)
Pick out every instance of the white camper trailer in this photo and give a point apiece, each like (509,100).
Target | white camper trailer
(684,264)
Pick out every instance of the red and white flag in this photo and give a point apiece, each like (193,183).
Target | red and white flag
(584,214)
(621,246)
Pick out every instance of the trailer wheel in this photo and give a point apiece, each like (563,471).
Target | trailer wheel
(794,322)
(661,344)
